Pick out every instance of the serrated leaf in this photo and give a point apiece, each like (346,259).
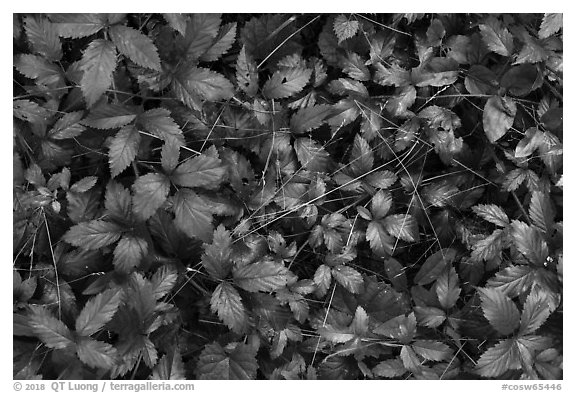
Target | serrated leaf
(217,255)
(36,67)
(307,119)
(201,171)
(170,155)
(67,126)
(435,33)
(541,212)
(193,216)
(98,63)
(77,25)
(227,303)
(514,179)
(348,277)
(43,37)
(170,366)
(497,37)
(536,311)
(96,354)
(498,359)
(30,111)
(335,335)
(532,52)
(354,66)
(409,358)
(98,311)
(216,362)
(404,98)
(323,278)
(164,280)
(381,179)
(118,201)
(530,143)
(136,46)
(551,24)
(498,117)
(84,184)
(312,155)
(493,214)
(195,85)
(432,350)
(178,23)
(499,310)
(285,83)
(246,73)
(434,266)
(150,192)
(51,331)
(380,204)
(362,156)
(402,226)
(222,43)
(261,276)
(129,252)
(93,235)
(447,288)
(381,243)
(390,368)
(159,122)
(529,242)
(345,28)
(393,76)
(513,280)
(429,316)
(109,116)
(200,31)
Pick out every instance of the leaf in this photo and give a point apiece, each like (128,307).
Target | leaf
(381,243)
(432,350)
(222,43)
(43,36)
(136,46)
(261,276)
(77,25)
(164,280)
(409,358)
(98,311)
(498,117)
(362,156)
(514,179)
(447,288)
(118,201)
(536,311)
(551,24)
(93,235)
(348,278)
(195,85)
(193,216)
(123,149)
(429,316)
(390,368)
(84,184)
(435,33)
(530,143)
(497,37)
(200,31)
(541,212)
(129,252)
(51,331)
(345,28)
(98,63)
(217,256)
(158,122)
(392,76)
(310,118)
(434,266)
(493,214)
(30,111)
(498,359)
(109,116)
(529,242)
(150,192)
(381,179)
(481,80)
(227,303)
(170,367)
(201,171)
(216,362)
(96,354)
(178,23)
(404,98)
(67,126)
(499,310)
(323,278)
(380,204)
(532,52)
(513,280)
(354,66)
(36,67)
(402,226)
(285,83)
(312,155)
(246,73)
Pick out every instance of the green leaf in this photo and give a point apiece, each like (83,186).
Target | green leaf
(108,116)
(513,280)
(195,85)
(362,156)
(51,331)
(98,311)
(498,117)
(434,266)
(170,366)
(136,46)
(381,243)
(499,310)
(498,359)
(541,212)
(201,171)
(158,122)
(227,303)
(93,235)
(43,37)
(312,155)
(348,278)
(493,214)
(432,350)
(150,192)
(67,126)
(193,216)
(77,25)
(447,288)
(551,24)
(402,226)
(96,354)
(98,63)
(261,276)
(217,255)
(129,252)
(236,361)
(536,311)
(123,149)
(345,28)
(246,73)
(222,43)
(497,37)
(310,118)
(164,280)
(529,242)
(285,83)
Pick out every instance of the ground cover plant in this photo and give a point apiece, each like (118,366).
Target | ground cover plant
(287,196)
